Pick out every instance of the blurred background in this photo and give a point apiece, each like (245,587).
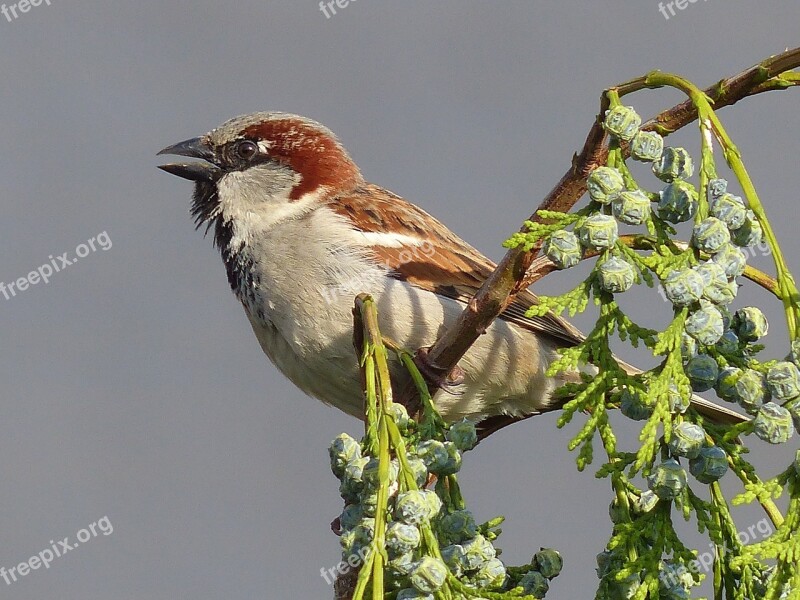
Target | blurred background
(132,385)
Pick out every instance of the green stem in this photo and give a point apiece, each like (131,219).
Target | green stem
(363,577)
(379,541)
(709,120)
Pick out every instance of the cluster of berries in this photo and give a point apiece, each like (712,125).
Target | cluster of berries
(466,550)
(718,344)
(712,334)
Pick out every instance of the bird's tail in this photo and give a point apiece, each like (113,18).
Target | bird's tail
(716,412)
(710,410)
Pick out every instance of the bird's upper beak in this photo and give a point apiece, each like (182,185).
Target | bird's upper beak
(198,147)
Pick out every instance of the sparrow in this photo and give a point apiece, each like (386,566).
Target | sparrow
(301,233)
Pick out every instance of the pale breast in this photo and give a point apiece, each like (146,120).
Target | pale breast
(298,293)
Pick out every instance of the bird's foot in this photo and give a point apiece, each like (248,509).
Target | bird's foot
(436,375)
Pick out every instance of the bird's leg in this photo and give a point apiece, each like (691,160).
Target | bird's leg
(436,375)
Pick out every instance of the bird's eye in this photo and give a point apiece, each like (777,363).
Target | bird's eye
(246,149)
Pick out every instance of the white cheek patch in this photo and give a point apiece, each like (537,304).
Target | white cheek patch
(243,203)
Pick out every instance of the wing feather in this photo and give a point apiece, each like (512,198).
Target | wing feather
(431,257)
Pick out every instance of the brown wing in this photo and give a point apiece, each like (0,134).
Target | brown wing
(442,262)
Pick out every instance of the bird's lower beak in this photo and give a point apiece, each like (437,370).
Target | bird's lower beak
(197,171)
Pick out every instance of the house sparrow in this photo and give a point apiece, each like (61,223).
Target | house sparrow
(301,233)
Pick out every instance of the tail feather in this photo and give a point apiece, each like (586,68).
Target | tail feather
(717,413)
(710,410)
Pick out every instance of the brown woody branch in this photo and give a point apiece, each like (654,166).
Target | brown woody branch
(512,274)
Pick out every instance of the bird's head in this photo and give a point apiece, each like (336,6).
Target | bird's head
(266,165)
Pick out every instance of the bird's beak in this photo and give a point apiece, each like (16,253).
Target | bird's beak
(196,171)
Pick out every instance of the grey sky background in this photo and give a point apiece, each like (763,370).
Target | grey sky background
(132,386)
